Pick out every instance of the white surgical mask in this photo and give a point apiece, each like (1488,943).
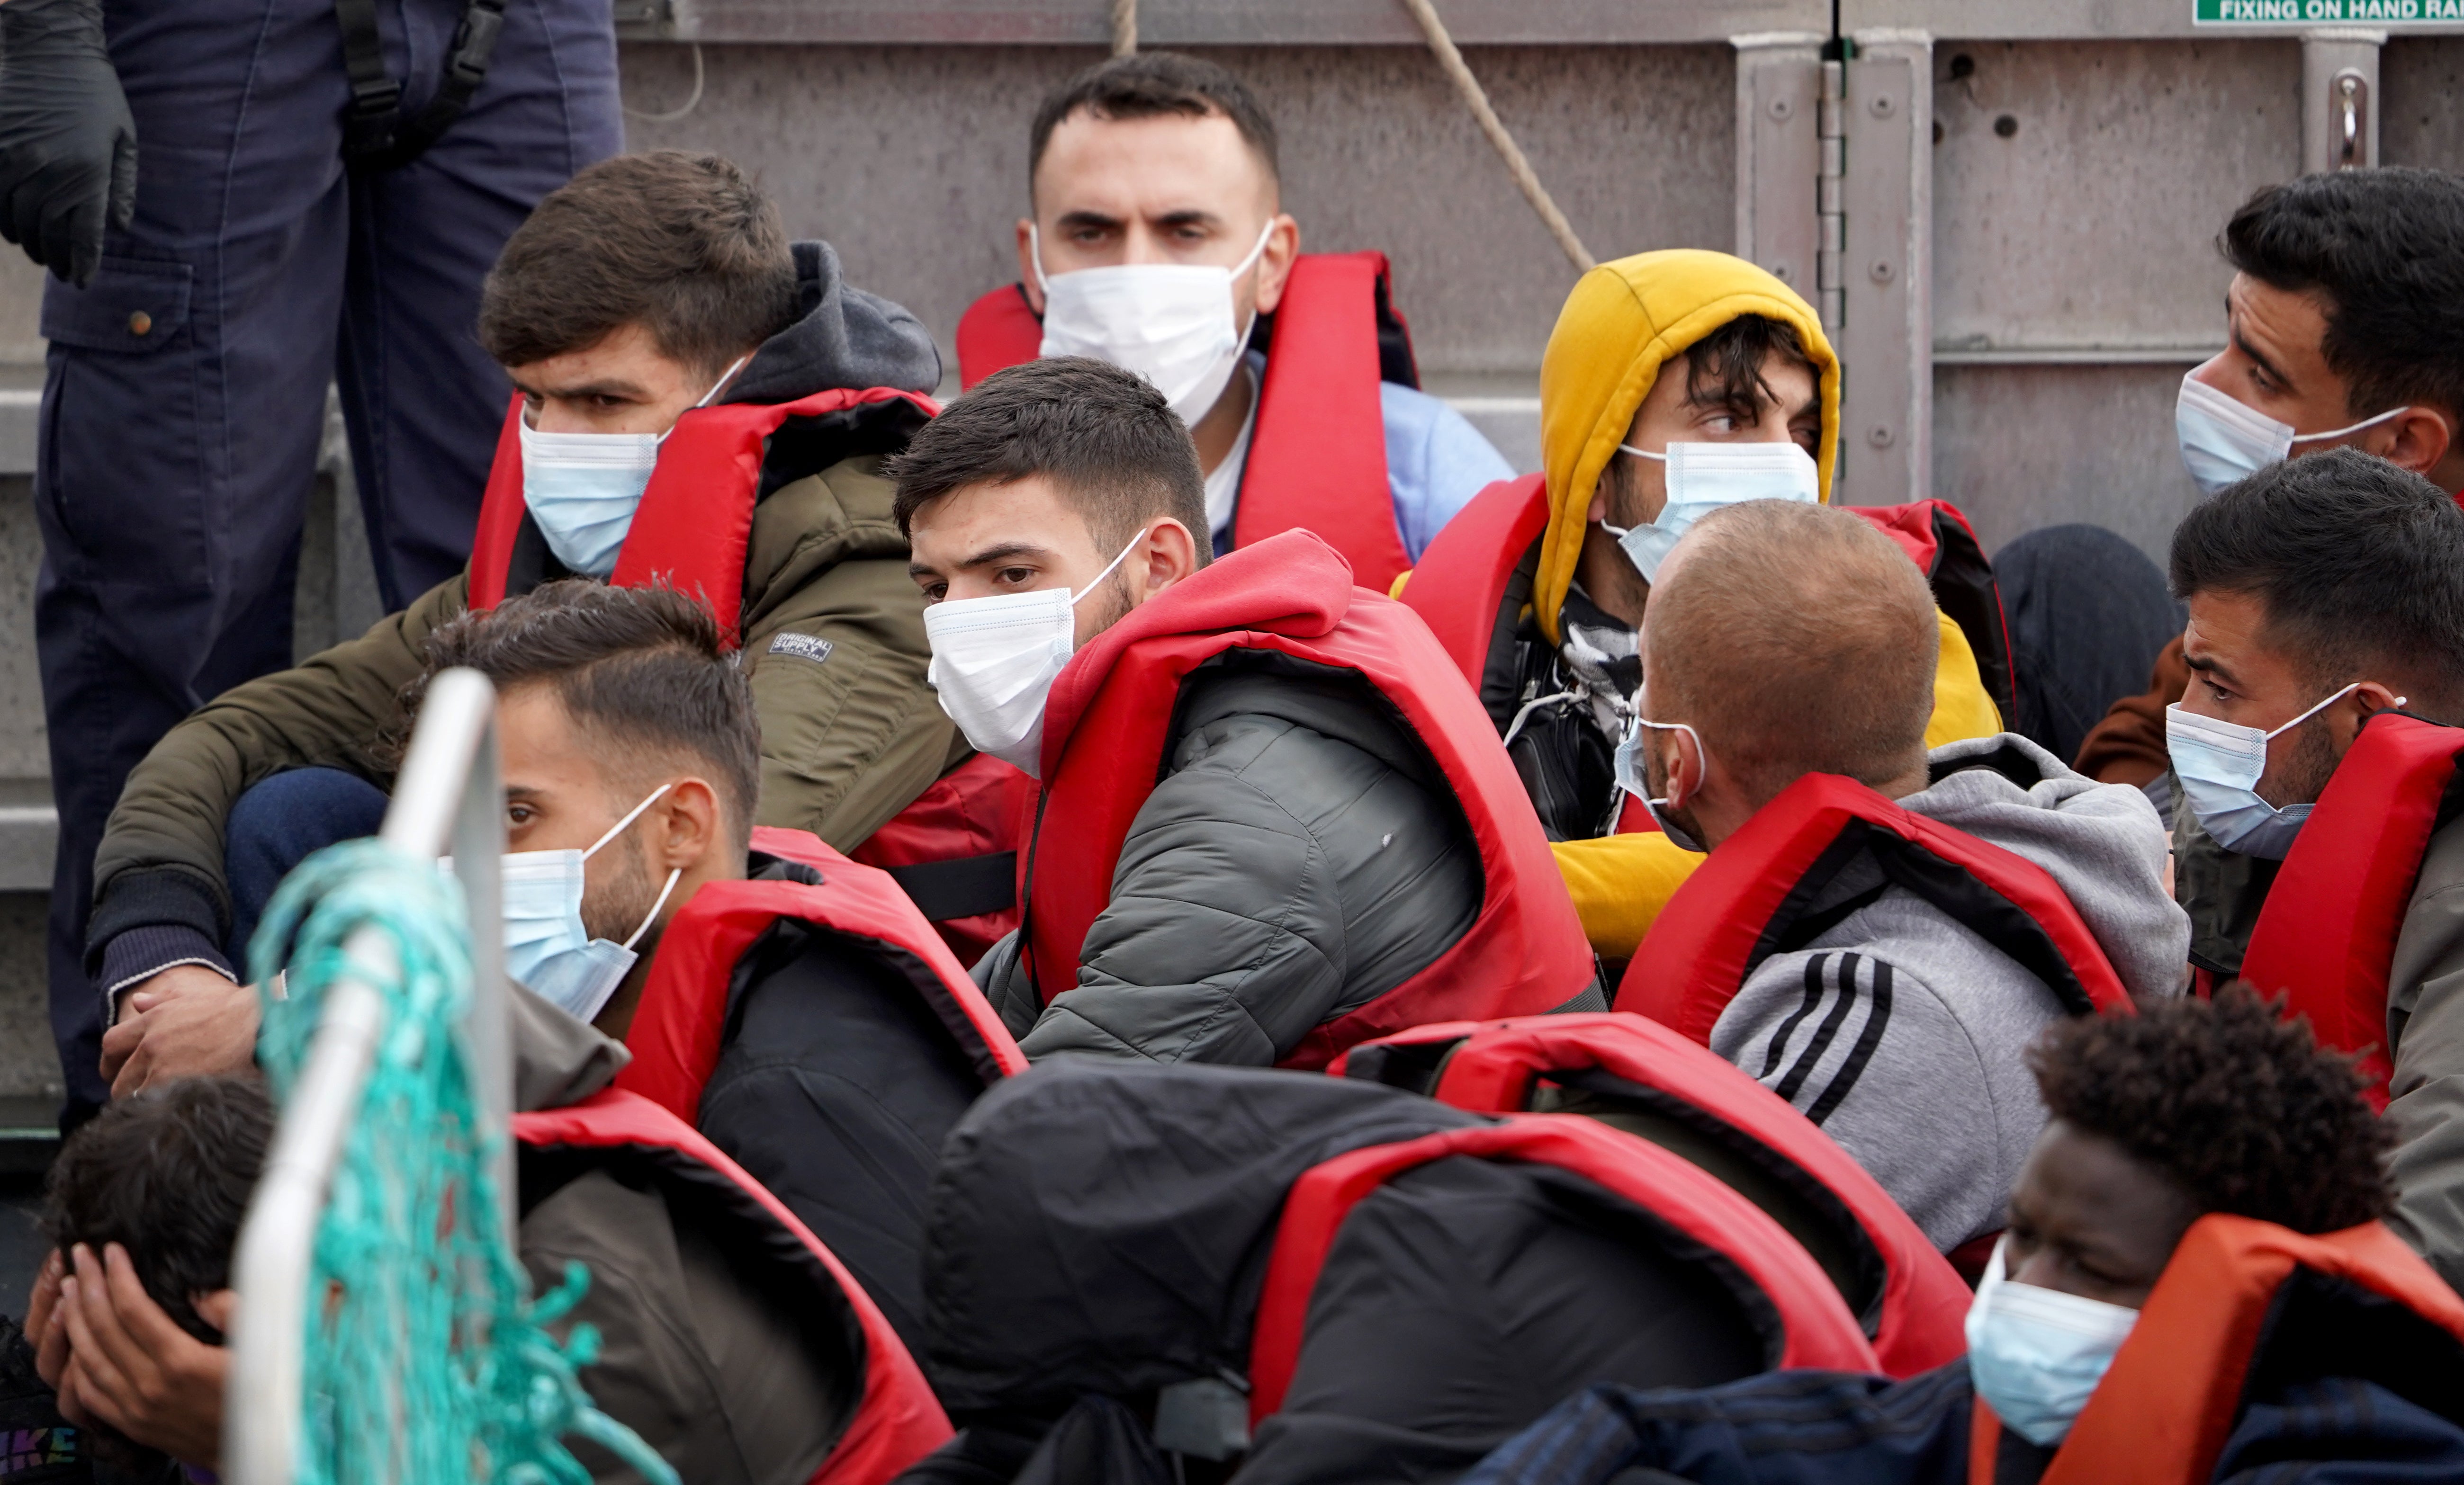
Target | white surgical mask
(582,489)
(2224,441)
(1629,778)
(546,946)
(1171,323)
(995,659)
(2219,764)
(1702,478)
(2036,1355)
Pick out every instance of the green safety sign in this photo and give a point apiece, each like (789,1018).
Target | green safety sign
(2326,12)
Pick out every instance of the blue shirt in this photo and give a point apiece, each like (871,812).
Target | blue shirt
(1435,461)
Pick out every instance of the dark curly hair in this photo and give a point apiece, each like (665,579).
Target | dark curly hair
(2238,1105)
(166,1174)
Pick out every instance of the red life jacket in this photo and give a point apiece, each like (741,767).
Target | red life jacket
(1291,595)
(1910,1302)
(1466,587)
(1317,455)
(2175,1388)
(1736,910)
(2325,938)
(820,1034)
(679,1027)
(693,530)
(1818,1329)
(896,1420)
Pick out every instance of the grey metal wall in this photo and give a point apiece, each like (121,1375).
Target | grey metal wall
(2074,276)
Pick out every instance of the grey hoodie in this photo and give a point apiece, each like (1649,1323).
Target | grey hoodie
(1903,1032)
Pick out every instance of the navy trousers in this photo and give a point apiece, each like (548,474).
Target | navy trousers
(184,392)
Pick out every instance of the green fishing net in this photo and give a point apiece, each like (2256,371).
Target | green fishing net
(426,1360)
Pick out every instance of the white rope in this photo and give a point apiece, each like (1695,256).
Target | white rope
(690,103)
(1477,100)
(1125,27)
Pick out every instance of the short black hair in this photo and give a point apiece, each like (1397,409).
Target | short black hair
(685,246)
(2239,1108)
(1147,85)
(2386,248)
(1725,368)
(165,1173)
(1105,437)
(2359,565)
(642,672)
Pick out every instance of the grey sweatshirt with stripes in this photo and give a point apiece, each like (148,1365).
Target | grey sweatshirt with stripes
(1903,1032)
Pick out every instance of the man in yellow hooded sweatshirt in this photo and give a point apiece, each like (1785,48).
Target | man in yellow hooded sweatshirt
(1538,587)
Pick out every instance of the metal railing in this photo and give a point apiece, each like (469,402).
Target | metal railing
(447,797)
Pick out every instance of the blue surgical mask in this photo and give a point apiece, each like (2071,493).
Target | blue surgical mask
(1629,778)
(2035,1355)
(2219,764)
(1703,477)
(546,946)
(582,489)
(2224,441)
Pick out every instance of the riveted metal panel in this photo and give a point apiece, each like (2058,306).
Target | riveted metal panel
(2078,186)
(1778,96)
(2019,446)
(2421,102)
(1886,335)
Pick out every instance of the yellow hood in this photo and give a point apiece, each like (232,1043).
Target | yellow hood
(1623,320)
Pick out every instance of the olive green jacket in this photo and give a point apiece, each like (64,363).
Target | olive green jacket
(849,732)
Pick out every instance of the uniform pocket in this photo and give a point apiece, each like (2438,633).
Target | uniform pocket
(134,307)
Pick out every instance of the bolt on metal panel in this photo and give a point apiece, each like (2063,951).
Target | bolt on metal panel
(1886,328)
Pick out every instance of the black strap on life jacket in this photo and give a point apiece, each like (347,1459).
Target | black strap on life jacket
(374,136)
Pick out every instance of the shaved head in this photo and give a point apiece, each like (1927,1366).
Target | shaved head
(1797,638)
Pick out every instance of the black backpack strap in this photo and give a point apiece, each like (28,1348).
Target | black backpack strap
(960,887)
(374,136)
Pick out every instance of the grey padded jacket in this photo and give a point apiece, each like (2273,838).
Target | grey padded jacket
(1301,857)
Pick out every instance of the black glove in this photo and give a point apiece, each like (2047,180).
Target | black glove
(68,147)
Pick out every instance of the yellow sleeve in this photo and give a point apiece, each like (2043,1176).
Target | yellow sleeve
(1961,707)
(1621,883)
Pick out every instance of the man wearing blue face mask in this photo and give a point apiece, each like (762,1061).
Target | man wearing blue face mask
(1159,243)
(701,403)
(2345,328)
(2194,1287)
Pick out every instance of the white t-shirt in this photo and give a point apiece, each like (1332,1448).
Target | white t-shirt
(1224,486)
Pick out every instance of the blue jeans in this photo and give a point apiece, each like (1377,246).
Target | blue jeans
(280,823)
(2088,615)
(185,390)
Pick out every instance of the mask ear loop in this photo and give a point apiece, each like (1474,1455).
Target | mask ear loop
(653,917)
(1099,577)
(2366,422)
(1701,753)
(2320,707)
(617,828)
(724,377)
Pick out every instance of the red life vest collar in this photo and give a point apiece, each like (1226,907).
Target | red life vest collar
(1733,911)
(1492,1067)
(2325,939)
(896,1420)
(695,524)
(2169,1402)
(1459,590)
(1292,594)
(1317,455)
(676,1034)
(1817,1327)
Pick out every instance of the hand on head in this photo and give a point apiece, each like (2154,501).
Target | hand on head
(116,1358)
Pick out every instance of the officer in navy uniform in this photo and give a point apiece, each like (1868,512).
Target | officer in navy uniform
(240,201)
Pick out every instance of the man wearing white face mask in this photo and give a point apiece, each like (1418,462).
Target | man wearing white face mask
(1272,824)
(1159,243)
(702,403)
(2344,324)
(2180,1298)
(1675,383)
